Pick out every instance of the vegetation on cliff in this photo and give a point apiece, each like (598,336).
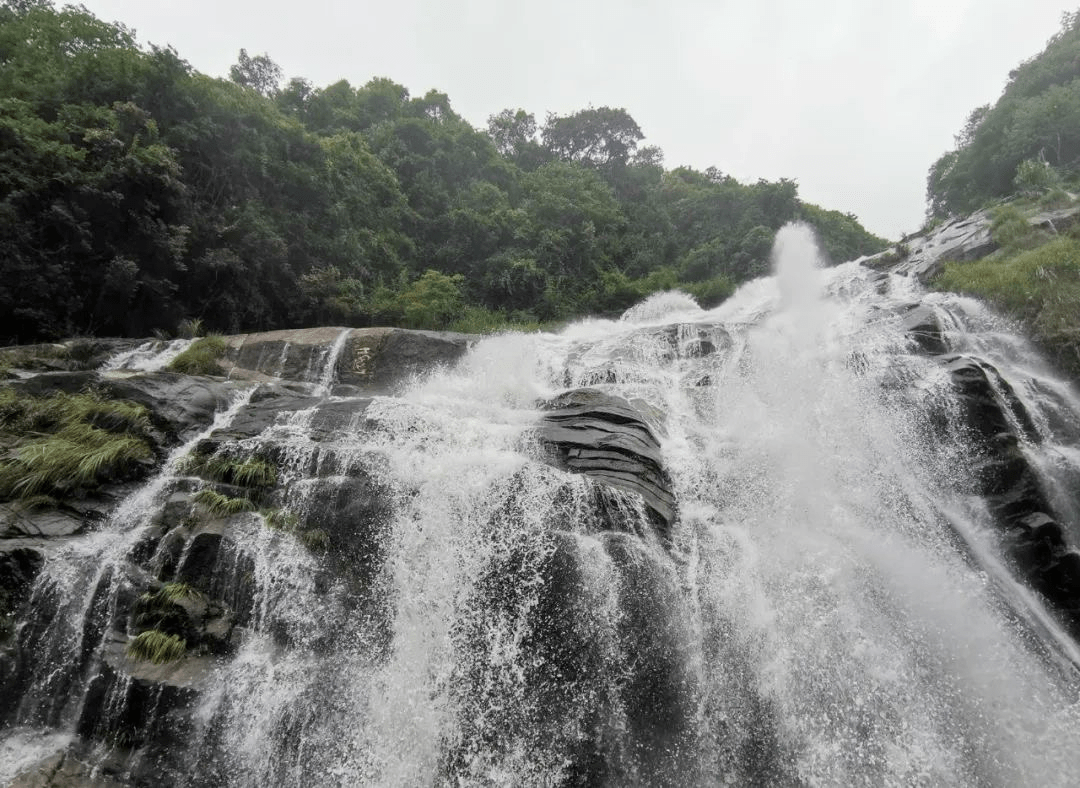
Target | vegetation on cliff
(1033,277)
(1023,154)
(1028,141)
(135,192)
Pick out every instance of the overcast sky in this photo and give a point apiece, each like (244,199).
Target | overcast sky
(854,99)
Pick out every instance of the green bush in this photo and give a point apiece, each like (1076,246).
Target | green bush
(711,292)
(1035,177)
(202,357)
(1010,229)
(1055,199)
(480,320)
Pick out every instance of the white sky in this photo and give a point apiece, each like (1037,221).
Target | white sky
(854,99)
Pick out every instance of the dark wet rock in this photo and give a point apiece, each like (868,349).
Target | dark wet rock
(67,769)
(133,703)
(84,353)
(199,559)
(1011,487)
(921,323)
(20,563)
(19,520)
(179,404)
(610,440)
(290,354)
(988,399)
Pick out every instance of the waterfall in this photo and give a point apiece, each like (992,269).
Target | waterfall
(838,588)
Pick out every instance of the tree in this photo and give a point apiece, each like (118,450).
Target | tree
(512,131)
(598,137)
(259,73)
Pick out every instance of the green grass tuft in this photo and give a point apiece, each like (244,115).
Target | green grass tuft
(170,594)
(282,519)
(68,442)
(222,505)
(156,647)
(249,472)
(202,357)
(314,539)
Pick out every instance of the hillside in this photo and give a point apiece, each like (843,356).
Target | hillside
(136,192)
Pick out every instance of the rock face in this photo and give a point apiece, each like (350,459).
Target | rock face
(1011,486)
(609,440)
(191,575)
(296,503)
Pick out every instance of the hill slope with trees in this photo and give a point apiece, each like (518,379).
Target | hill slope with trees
(1021,157)
(136,192)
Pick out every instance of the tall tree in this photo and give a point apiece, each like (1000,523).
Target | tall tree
(596,136)
(259,73)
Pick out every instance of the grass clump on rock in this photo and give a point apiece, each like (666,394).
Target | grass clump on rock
(220,505)
(315,540)
(170,594)
(202,357)
(65,444)
(250,472)
(156,647)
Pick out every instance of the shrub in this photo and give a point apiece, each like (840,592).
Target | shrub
(711,292)
(1010,229)
(479,320)
(156,647)
(202,357)
(1054,199)
(1034,177)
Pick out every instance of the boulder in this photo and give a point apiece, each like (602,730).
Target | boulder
(921,324)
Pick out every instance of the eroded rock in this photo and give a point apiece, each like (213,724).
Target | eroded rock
(610,440)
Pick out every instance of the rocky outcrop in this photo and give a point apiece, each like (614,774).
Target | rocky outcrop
(371,360)
(609,439)
(967,238)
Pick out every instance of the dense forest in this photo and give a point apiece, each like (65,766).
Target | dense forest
(136,193)
(1027,142)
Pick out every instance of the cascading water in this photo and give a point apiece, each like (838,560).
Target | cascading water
(817,587)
